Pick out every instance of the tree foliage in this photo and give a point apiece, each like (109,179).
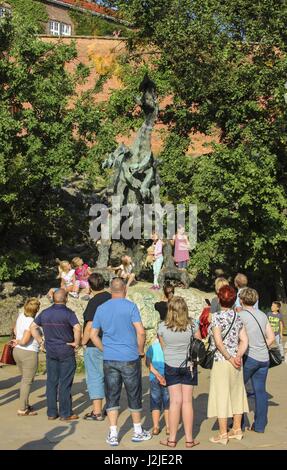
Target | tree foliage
(90,25)
(225,62)
(31,12)
(47,130)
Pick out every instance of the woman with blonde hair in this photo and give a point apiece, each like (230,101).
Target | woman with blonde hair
(175,335)
(218,283)
(25,353)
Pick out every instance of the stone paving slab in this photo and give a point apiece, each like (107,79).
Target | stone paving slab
(38,433)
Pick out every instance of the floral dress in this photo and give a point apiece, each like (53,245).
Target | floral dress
(223,320)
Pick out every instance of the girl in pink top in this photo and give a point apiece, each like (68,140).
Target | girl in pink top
(82,273)
(158,259)
(181,248)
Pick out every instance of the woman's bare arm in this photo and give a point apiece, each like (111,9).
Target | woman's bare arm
(221,348)
(87,333)
(161,341)
(270,337)
(243,342)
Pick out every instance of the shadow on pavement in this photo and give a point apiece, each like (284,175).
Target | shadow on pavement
(14,394)
(51,438)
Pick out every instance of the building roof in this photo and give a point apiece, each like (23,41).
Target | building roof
(93,8)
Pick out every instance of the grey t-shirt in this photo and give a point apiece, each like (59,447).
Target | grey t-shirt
(256,347)
(176,344)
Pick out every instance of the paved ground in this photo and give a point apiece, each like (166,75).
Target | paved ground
(39,433)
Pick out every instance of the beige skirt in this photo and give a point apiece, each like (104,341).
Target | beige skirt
(227,395)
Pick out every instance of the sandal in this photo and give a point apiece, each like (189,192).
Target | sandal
(220,439)
(94,417)
(156,431)
(168,443)
(190,444)
(235,434)
(27,412)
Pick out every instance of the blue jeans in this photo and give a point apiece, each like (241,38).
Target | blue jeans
(280,345)
(159,396)
(257,371)
(60,376)
(118,372)
(93,359)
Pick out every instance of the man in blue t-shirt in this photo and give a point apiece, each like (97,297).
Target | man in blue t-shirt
(62,334)
(123,346)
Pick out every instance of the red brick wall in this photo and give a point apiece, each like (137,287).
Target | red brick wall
(88,47)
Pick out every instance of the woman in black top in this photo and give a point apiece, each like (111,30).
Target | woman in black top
(161,307)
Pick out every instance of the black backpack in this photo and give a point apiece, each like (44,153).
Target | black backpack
(196,352)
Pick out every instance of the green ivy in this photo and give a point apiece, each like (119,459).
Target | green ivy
(87,24)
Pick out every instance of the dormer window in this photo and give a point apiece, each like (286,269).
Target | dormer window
(66,29)
(56,28)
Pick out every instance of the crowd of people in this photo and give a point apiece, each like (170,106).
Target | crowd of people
(115,351)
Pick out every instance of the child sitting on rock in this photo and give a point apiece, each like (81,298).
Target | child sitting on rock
(82,273)
(68,280)
(125,270)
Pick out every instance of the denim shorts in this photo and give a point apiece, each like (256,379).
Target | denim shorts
(116,374)
(159,396)
(180,375)
(93,359)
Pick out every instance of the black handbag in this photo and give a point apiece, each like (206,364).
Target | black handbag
(207,363)
(275,358)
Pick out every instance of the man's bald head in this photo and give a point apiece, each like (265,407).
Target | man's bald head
(240,281)
(118,287)
(60,296)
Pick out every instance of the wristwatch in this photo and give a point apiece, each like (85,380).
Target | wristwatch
(141,356)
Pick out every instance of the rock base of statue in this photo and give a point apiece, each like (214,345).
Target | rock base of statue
(107,274)
(173,274)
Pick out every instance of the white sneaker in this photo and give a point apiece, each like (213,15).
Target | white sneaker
(143,436)
(112,440)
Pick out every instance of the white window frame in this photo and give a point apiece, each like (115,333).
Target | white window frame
(53,30)
(66,29)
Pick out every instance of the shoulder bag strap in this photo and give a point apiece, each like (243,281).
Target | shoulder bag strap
(228,331)
(245,310)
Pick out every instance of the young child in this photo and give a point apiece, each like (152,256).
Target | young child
(68,279)
(181,248)
(159,397)
(158,259)
(162,306)
(275,319)
(82,273)
(125,270)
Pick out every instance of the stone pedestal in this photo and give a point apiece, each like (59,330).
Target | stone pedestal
(106,273)
(174,274)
